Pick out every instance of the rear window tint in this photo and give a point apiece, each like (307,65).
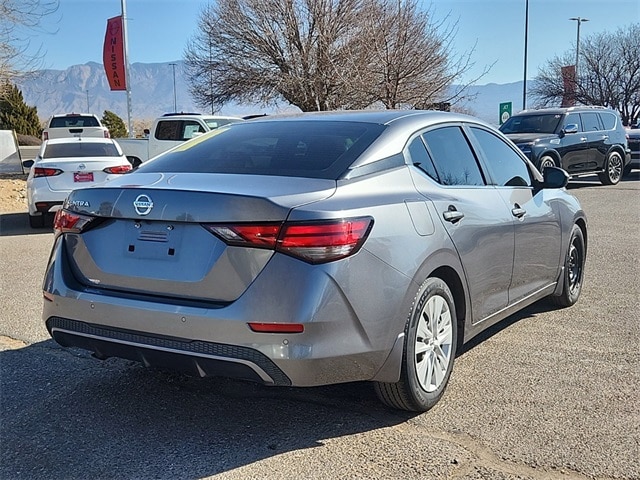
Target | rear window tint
(75,121)
(315,149)
(80,149)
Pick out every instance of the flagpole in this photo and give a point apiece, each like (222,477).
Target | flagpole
(126,65)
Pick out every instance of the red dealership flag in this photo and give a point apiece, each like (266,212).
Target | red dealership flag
(569,84)
(113,54)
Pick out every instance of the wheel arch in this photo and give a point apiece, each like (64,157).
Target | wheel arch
(549,153)
(449,276)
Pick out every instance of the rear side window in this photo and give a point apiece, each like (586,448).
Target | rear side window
(420,158)
(590,122)
(452,156)
(74,121)
(608,120)
(80,149)
(315,149)
(177,130)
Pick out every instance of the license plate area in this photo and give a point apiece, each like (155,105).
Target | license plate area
(82,177)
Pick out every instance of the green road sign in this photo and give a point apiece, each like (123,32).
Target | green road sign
(505,112)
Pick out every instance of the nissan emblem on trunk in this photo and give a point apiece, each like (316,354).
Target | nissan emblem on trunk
(143,204)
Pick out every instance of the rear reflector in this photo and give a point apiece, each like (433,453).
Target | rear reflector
(119,169)
(46,172)
(313,242)
(276,327)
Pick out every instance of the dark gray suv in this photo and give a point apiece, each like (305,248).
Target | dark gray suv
(581,140)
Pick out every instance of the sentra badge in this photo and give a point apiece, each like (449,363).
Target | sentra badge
(143,204)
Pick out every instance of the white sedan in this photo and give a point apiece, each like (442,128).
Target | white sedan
(65,164)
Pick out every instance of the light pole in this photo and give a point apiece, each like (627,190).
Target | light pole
(526,36)
(579,20)
(175,104)
(87,101)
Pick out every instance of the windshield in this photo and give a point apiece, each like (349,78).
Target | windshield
(535,123)
(314,149)
(80,149)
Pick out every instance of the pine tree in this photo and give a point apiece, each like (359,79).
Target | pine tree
(17,115)
(116,126)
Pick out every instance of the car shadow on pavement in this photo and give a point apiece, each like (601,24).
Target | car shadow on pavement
(68,415)
(18,224)
(541,306)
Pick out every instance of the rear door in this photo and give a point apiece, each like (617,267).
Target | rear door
(473,213)
(596,140)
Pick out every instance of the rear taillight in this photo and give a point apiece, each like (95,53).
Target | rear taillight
(46,172)
(45,135)
(313,242)
(70,222)
(119,169)
(106,134)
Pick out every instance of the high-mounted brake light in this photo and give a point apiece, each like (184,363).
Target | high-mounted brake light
(46,172)
(313,242)
(119,169)
(70,222)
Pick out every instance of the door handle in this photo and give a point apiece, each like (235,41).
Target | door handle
(518,211)
(452,215)
(583,139)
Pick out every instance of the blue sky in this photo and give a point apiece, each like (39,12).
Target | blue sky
(160,29)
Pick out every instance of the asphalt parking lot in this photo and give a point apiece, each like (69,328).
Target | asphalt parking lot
(546,394)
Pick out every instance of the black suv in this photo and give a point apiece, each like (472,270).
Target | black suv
(581,140)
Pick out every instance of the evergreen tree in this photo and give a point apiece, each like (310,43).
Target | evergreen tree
(116,126)
(17,115)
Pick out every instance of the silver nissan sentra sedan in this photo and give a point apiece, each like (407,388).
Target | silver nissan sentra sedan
(315,249)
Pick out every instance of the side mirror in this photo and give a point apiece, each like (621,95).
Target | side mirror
(571,128)
(27,163)
(554,177)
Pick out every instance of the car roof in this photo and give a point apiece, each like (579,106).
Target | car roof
(58,115)
(380,117)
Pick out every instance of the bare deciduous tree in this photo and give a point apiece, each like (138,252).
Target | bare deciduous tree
(17,19)
(609,73)
(322,54)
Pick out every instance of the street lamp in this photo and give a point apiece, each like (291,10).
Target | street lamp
(579,20)
(175,105)
(526,35)
(87,101)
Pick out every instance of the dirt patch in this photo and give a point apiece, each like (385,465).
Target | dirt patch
(13,193)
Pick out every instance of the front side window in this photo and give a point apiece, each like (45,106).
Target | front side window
(452,156)
(505,165)
(573,119)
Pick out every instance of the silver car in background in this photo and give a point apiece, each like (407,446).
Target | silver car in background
(316,249)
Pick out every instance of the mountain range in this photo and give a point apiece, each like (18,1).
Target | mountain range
(84,88)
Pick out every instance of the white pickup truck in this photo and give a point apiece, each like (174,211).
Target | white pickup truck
(167,132)
(74,125)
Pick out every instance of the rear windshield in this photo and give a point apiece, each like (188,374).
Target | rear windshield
(542,123)
(72,121)
(315,149)
(80,149)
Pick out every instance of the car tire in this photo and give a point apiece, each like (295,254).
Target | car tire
(613,168)
(547,161)
(431,336)
(573,275)
(36,221)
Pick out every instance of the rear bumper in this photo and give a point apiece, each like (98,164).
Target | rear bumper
(337,344)
(197,358)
